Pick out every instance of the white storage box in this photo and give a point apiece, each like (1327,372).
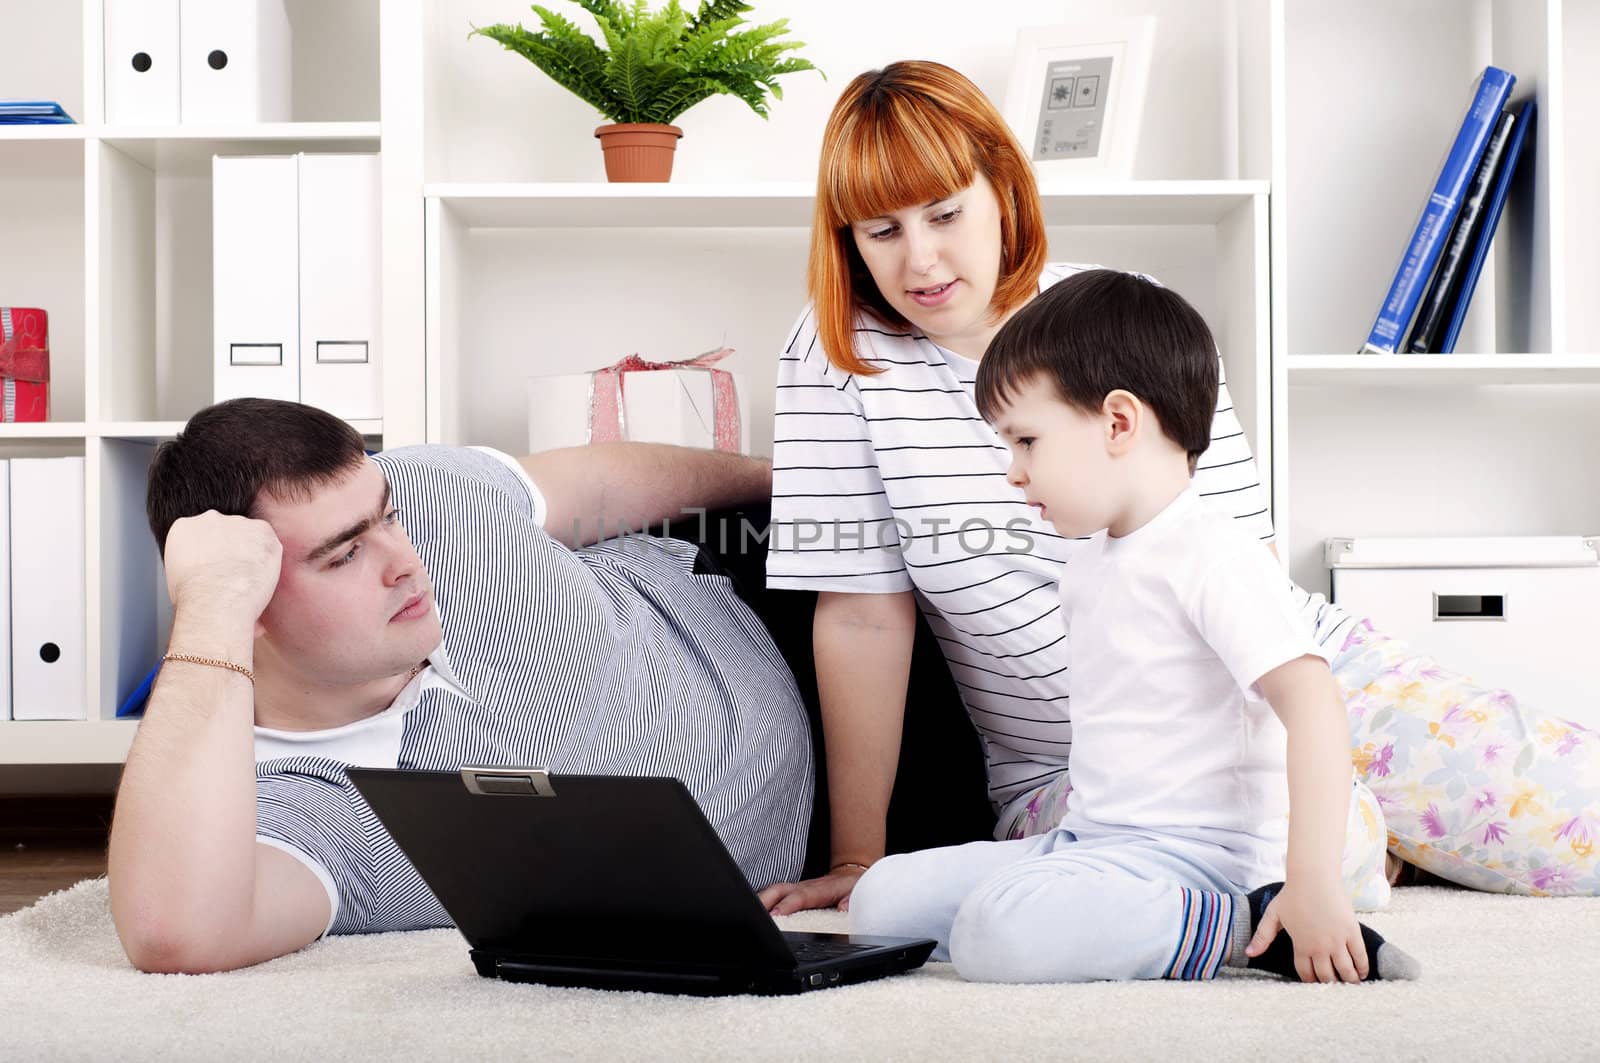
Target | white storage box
(235,64)
(1514,613)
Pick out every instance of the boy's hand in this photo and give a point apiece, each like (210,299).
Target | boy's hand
(1322,925)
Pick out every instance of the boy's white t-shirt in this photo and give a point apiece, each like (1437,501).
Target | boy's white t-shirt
(1171,627)
(895,482)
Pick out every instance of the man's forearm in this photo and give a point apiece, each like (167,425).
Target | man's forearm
(599,491)
(183,838)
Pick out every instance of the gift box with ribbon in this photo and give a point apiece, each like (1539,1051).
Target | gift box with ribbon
(690,403)
(25,363)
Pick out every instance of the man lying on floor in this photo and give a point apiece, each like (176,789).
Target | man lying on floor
(423,608)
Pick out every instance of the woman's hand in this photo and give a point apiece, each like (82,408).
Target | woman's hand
(1320,922)
(828,891)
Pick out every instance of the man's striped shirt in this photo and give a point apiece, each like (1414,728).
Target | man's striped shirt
(614,659)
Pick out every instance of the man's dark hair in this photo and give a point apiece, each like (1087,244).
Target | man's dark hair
(230,453)
(1101,330)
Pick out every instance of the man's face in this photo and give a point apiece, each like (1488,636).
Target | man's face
(353,602)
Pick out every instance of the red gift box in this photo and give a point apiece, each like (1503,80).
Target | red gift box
(25,363)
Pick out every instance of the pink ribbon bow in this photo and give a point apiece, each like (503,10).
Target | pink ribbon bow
(608,411)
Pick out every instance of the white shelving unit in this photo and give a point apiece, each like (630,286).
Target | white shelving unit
(1275,182)
(109,229)
(1492,440)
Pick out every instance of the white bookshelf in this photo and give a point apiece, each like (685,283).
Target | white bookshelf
(1286,148)
(109,229)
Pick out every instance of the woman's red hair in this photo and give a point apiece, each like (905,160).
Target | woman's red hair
(911,133)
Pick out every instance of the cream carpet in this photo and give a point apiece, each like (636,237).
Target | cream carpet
(1505,978)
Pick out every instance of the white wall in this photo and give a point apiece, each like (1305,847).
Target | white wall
(493,116)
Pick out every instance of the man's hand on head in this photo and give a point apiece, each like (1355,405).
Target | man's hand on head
(220,562)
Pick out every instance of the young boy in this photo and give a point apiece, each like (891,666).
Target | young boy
(1187,653)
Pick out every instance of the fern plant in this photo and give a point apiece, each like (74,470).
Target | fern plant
(657,64)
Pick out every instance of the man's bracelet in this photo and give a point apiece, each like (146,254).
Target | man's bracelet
(847,863)
(214,662)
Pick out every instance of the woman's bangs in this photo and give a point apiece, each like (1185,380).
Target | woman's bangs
(895,159)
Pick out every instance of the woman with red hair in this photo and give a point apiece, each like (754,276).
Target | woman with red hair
(889,495)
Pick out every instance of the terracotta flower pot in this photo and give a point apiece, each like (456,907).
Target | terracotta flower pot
(638,151)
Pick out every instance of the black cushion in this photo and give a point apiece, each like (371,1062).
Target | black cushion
(940,794)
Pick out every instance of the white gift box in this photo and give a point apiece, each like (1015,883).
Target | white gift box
(1512,613)
(674,405)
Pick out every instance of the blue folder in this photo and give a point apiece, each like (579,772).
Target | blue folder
(33,112)
(1427,239)
(1491,218)
(133,704)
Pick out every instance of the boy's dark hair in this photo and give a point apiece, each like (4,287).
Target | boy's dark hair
(1101,330)
(228,454)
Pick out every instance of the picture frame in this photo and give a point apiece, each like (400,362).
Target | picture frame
(1077,92)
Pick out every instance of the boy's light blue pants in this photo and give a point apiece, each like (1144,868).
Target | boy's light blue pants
(1054,908)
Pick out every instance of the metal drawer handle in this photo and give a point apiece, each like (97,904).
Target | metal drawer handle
(1469,606)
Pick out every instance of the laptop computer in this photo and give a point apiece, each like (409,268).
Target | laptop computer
(610,882)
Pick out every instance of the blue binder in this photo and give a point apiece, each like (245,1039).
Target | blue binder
(1427,240)
(33,112)
(1491,218)
(133,704)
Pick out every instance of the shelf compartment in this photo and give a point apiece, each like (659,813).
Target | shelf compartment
(44,44)
(1360,158)
(509,276)
(488,115)
(155,279)
(43,264)
(1395,461)
(333,73)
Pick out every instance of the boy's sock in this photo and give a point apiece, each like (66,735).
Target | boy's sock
(1384,961)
